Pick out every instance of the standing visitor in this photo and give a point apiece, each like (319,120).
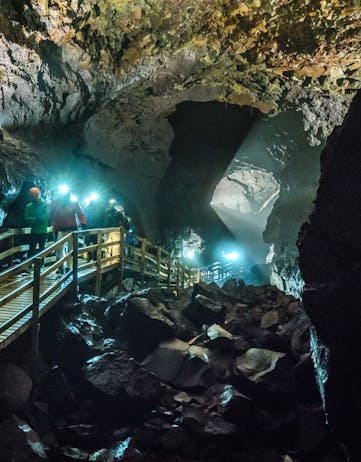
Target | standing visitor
(37,217)
(66,216)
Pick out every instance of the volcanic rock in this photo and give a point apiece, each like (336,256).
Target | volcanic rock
(219,338)
(121,385)
(143,325)
(204,310)
(269,368)
(15,388)
(19,442)
(167,360)
(57,391)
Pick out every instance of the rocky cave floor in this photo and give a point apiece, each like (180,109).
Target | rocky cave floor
(216,374)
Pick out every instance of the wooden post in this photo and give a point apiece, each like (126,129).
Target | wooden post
(183,276)
(169,272)
(35,314)
(11,247)
(98,276)
(142,263)
(75,237)
(178,275)
(121,257)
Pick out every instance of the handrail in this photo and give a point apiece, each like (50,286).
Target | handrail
(103,249)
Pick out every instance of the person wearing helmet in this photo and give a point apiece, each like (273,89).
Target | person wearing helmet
(37,216)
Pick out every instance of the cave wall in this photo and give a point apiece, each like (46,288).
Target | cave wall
(206,137)
(330,256)
(116,70)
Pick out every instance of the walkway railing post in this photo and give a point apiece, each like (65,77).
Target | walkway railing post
(75,237)
(35,313)
(178,275)
(183,283)
(121,257)
(169,272)
(98,276)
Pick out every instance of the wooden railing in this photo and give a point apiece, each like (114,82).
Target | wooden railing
(77,257)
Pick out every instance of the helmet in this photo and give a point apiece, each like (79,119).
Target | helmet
(35,193)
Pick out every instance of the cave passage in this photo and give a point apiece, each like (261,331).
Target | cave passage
(206,138)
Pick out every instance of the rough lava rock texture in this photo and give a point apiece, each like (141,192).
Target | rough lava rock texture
(188,401)
(330,254)
(108,73)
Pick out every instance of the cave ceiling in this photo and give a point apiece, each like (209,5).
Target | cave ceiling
(117,69)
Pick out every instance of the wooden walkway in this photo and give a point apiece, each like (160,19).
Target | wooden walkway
(29,289)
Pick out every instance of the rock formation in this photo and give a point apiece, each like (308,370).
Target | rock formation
(330,255)
(119,69)
(226,374)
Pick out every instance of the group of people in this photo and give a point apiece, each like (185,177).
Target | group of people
(64,214)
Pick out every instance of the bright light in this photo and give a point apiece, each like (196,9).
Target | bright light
(189,254)
(112,201)
(231,255)
(94,196)
(73,198)
(63,189)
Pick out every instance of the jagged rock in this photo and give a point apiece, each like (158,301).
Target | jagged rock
(122,451)
(121,385)
(173,439)
(233,406)
(83,436)
(241,345)
(204,310)
(167,360)
(15,388)
(271,319)
(306,386)
(268,340)
(234,287)
(268,368)
(218,427)
(143,325)
(198,371)
(19,442)
(298,329)
(97,306)
(193,419)
(219,338)
(69,454)
(79,340)
(57,391)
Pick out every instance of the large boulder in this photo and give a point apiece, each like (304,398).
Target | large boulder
(271,369)
(120,385)
(57,391)
(79,340)
(143,325)
(167,360)
(15,388)
(205,310)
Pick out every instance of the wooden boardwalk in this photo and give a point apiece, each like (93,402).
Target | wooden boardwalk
(30,289)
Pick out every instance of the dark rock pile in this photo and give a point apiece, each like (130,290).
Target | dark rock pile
(217,374)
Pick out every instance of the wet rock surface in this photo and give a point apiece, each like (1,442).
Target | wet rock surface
(215,396)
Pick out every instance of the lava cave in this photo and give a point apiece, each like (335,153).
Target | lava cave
(182,180)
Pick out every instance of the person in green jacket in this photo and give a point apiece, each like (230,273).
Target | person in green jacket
(37,216)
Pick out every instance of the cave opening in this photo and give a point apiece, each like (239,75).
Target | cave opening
(244,182)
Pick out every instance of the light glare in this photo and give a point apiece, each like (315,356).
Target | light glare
(63,188)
